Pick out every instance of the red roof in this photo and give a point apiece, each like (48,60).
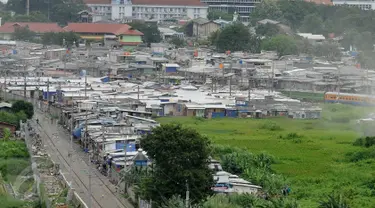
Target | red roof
(170,2)
(97,1)
(116,29)
(38,27)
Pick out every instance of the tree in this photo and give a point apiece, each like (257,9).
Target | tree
(312,23)
(282,44)
(52,38)
(364,41)
(180,157)
(6,134)
(66,11)
(328,50)
(334,201)
(366,59)
(188,29)
(213,37)
(219,201)
(234,37)
(267,30)
(61,11)
(24,106)
(32,17)
(174,202)
(23,33)
(267,9)
(178,42)
(151,33)
(216,14)
(13,118)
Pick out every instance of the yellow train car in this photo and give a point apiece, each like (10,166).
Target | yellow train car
(349,98)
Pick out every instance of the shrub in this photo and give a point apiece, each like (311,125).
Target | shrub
(24,106)
(364,142)
(361,155)
(12,167)
(334,201)
(271,126)
(13,149)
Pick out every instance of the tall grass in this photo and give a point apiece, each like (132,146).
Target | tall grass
(314,156)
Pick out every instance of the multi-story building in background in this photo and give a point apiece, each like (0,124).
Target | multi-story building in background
(242,7)
(147,9)
(164,9)
(362,4)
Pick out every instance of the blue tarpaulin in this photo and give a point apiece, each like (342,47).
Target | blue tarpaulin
(217,114)
(231,113)
(77,132)
(353,53)
(105,79)
(170,69)
(51,93)
(130,147)
(141,163)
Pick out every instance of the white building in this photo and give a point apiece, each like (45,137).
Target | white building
(147,9)
(242,7)
(362,4)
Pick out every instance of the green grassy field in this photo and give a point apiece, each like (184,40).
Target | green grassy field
(308,96)
(312,154)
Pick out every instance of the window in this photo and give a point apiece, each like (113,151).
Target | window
(96,8)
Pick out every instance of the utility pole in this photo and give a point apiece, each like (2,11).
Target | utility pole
(86,112)
(5,86)
(24,80)
(125,169)
(187,195)
(138,92)
(27,7)
(70,195)
(87,146)
(273,74)
(367,85)
(230,86)
(248,93)
(89,192)
(48,95)
(339,85)
(48,9)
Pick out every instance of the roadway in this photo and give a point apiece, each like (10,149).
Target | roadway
(56,141)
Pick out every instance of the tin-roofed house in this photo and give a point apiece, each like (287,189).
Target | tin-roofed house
(194,110)
(203,27)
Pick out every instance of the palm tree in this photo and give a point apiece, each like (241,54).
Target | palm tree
(334,201)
